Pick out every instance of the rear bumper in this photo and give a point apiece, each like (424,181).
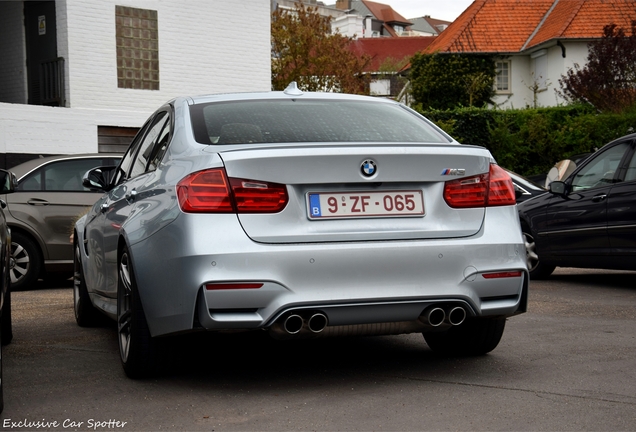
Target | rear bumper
(351,283)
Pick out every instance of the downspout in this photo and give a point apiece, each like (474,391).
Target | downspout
(560,44)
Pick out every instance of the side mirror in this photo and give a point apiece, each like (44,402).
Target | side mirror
(558,188)
(8,182)
(98,179)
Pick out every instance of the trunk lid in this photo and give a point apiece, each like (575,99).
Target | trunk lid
(416,173)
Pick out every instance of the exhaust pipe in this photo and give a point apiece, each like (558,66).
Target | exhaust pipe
(293,324)
(317,323)
(435,316)
(456,316)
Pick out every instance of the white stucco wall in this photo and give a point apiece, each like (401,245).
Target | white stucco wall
(204,47)
(349,25)
(523,76)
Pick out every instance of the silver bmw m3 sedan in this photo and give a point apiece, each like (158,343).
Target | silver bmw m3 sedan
(301,215)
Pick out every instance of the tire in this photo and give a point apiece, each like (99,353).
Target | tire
(27,262)
(475,336)
(1,377)
(537,269)
(138,350)
(86,315)
(6,326)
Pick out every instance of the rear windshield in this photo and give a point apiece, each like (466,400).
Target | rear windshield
(292,121)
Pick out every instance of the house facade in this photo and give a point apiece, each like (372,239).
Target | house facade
(535,43)
(82,75)
(379,19)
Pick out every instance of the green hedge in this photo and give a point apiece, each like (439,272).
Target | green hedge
(531,141)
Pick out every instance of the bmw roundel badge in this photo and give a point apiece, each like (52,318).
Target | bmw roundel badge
(369,168)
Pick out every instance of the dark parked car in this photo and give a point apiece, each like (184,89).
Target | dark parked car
(560,170)
(8,183)
(48,200)
(588,220)
(524,188)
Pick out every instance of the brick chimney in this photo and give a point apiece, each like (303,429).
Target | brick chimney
(343,4)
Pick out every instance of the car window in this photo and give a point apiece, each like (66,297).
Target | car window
(600,170)
(630,172)
(152,139)
(124,167)
(159,149)
(310,120)
(64,175)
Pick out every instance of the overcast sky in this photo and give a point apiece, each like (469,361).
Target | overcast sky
(446,10)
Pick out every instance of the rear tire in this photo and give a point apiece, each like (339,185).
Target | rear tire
(85,313)
(537,269)
(6,327)
(27,259)
(475,336)
(139,351)
(1,377)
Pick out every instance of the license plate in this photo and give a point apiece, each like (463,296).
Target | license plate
(365,204)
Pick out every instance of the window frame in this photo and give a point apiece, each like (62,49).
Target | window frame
(499,70)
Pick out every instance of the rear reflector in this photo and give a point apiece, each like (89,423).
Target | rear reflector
(501,275)
(211,191)
(232,286)
(484,190)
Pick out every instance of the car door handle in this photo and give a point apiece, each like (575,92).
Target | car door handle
(37,202)
(600,197)
(130,196)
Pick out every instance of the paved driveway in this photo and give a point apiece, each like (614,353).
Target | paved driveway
(569,364)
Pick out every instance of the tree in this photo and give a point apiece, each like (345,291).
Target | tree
(608,80)
(306,51)
(446,81)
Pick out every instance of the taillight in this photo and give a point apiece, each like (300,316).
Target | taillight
(211,191)
(483,190)
(258,197)
(501,191)
(205,192)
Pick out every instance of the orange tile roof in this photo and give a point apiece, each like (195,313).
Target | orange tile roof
(508,26)
(385,13)
(584,19)
(381,49)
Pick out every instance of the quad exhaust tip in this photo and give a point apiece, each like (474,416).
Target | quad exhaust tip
(294,323)
(436,316)
(317,323)
(441,316)
(456,316)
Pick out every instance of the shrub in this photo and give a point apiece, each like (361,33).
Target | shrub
(531,141)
